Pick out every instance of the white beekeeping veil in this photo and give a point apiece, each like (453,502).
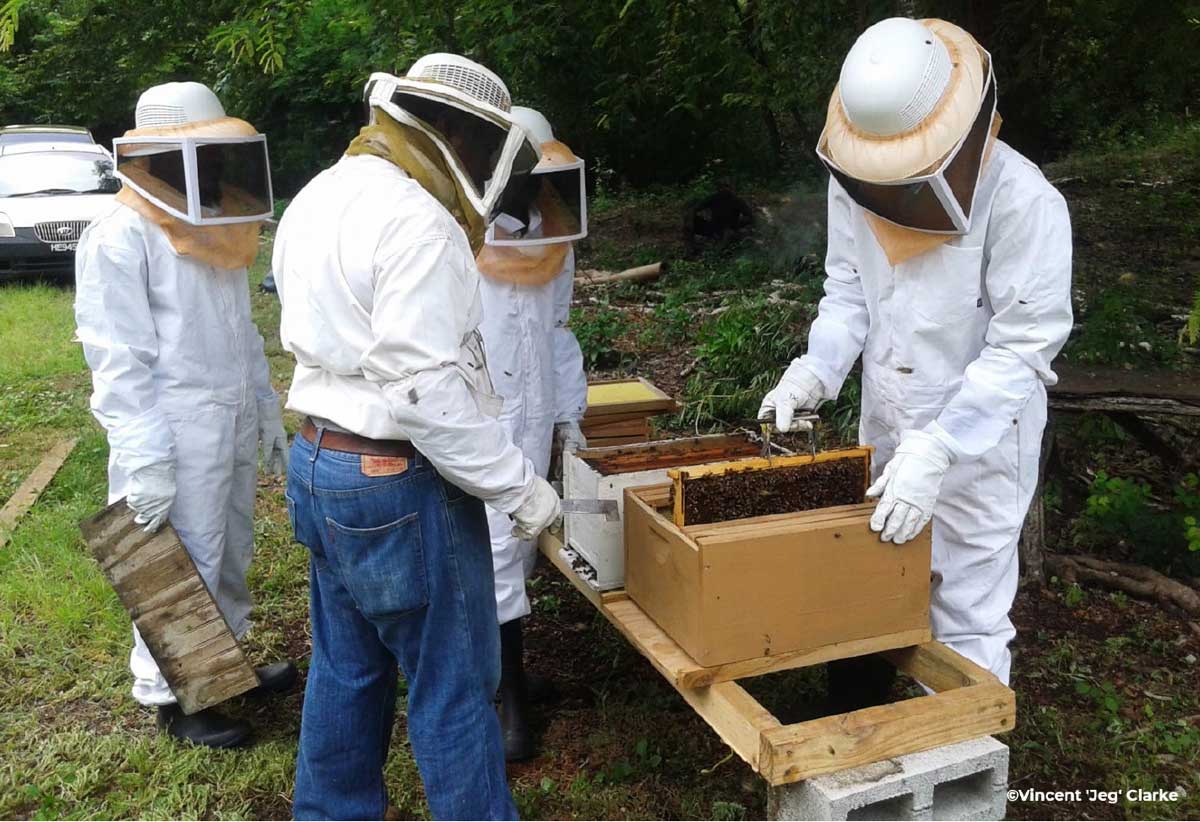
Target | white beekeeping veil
(910,123)
(189,159)
(550,205)
(464,108)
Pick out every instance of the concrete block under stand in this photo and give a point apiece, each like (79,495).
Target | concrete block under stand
(966,780)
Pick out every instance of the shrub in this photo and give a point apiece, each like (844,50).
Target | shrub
(1123,512)
(597,330)
(741,353)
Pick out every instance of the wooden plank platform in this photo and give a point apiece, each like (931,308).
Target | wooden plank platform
(27,493)
(968,701)
(158,584)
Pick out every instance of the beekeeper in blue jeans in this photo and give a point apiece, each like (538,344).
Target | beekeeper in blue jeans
(375,265)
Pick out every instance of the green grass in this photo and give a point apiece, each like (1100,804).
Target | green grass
(72,741)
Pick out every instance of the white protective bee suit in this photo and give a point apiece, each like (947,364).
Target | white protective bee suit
(181,385)
(535,361)
(956,343)
(537,367)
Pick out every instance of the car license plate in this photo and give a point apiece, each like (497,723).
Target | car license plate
(63,246)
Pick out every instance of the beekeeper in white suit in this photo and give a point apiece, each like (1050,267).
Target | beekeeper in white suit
(528,269)
(180,381)
(949,271)
(375,264)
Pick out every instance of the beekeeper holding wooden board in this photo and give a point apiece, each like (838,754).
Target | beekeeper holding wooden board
(181,384)
(949,272)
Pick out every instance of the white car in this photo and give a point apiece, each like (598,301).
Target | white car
(49,192)
(11,135)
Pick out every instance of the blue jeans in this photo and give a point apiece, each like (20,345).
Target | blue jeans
(400,572)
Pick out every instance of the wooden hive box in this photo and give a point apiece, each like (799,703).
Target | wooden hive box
(605,473)
(774,584)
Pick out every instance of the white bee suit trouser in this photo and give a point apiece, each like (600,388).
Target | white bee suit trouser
(178,370)
(958,342)
(537,367)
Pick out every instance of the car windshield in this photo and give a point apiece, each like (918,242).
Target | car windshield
(14,137)
(24,175)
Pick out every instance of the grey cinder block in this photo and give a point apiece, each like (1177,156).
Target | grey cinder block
(966,780)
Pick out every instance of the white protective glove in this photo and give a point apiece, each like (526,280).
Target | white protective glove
(536,513)
(909,487)
(272,439)
(798,390)
(151,494)
(569,436)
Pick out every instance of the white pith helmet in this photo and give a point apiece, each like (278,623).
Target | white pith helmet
(472,79)
(174,104)
(894,76)
(535,125)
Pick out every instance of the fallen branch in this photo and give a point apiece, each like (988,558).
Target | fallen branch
(1122,576)
(641,273)
(29,491)
(1144,183)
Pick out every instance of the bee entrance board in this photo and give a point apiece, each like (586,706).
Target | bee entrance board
(779,583)
(763,487)
(159,586)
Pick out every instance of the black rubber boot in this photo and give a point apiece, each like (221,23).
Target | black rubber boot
(207,727)
(858,682)
(514,695)
(275,678)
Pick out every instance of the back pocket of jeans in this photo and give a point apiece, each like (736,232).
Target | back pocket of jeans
(383,567)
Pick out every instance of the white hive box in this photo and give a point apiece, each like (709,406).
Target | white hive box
(605,473)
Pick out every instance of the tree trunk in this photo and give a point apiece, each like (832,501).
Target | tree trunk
(772,125)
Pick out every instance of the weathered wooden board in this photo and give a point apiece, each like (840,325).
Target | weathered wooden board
(834,743)
(159,586)
(28,492)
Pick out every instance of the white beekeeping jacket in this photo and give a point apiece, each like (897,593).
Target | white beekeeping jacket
(381,309)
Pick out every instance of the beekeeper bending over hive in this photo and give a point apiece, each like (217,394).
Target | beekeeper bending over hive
(949,271)
(528,269)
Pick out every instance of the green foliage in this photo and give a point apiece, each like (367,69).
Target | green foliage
(1117,330)
(597,329)
(645,760)
(1190,333)
(1124,512)
(646,90)
(1105,700)
(740,353)
(728,811)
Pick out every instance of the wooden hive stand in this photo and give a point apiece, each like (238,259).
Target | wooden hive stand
(967,701)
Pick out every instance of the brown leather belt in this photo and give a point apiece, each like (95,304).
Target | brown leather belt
(354,444)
